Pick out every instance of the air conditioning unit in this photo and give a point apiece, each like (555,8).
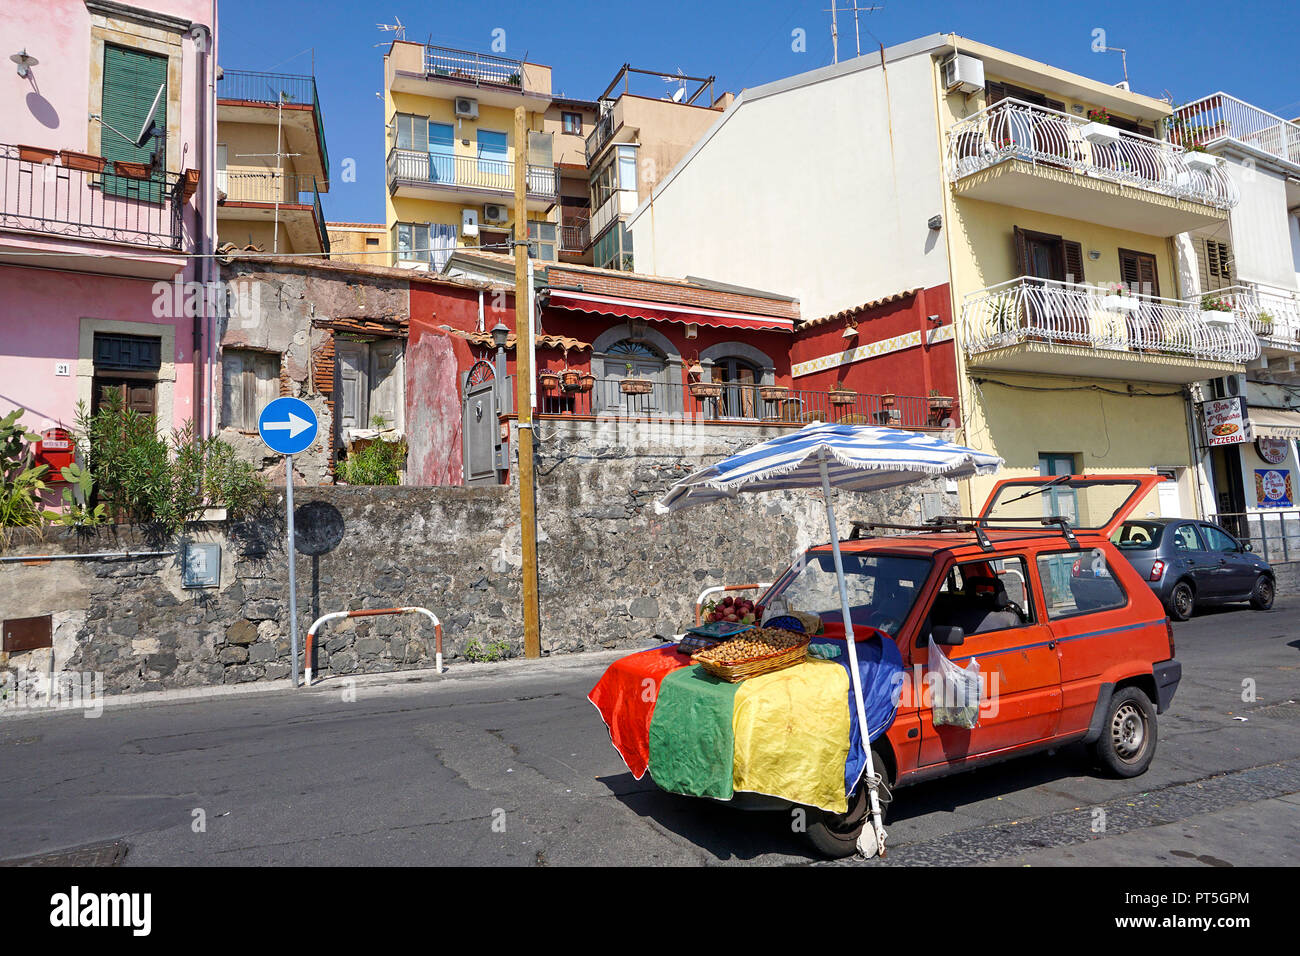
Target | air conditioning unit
(466,107)
(495,212)
(469,222)
(1230,386)
(964,73)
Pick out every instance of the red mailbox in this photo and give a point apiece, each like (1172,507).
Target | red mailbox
(56,450)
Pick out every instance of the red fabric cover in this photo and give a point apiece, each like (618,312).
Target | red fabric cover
(625,697)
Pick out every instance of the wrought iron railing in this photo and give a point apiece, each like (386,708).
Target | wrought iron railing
(600,133)
(1222,117)
(417,167)
(478,67)
(1067,313)
(1014,130)
(1273,314)
(57,199)
(575,235)
(320,221)
(746,403)
(1274,534)
(249,86)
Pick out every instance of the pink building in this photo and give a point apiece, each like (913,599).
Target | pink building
(106,137)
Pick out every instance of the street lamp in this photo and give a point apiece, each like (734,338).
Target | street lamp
(499,335)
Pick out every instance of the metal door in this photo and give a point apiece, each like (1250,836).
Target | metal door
(480,429)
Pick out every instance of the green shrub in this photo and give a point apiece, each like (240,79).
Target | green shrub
(21,479)
(481,653)
(379,463)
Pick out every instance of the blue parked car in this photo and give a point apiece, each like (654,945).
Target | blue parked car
(1190,563)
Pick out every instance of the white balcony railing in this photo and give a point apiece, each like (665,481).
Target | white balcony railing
(1221,117)
(1272,314)
(1012,129)
(1066,313)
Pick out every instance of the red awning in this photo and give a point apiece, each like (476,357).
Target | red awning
(666,312)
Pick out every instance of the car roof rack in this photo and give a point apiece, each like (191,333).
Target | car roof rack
(944,523)
(1062,523)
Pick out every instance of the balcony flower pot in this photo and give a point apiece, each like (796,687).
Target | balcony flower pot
(586,382)
(190,184)
(83,161)
(1217,318)
(705,389)
(940,402)
(569,377)
(36,154)
(1120,303)
(887,400)
(636,386)
(842,395)
(1200,160)
(773,393)
(550,381)
(1101,134)
(122,167)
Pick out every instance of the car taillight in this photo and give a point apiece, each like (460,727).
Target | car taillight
(1169,629)
(1157,569)
(1074,571)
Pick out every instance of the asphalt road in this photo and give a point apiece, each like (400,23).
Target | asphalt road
(510,765)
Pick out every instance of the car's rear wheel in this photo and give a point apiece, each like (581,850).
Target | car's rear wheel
(836,834)
(1182,602)
(1127,744)
(1261,599)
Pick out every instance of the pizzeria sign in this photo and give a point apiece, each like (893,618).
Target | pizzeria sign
(1225,421)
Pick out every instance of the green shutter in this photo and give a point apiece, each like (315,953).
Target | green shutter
(131,81)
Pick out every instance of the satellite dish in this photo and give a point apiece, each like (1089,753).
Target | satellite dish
(150,127)
(679,94)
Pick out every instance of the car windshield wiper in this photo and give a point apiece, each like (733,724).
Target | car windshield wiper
(1038,489)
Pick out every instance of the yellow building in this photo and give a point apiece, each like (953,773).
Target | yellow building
(450,153)
(272,164)
(1040,207)
(361,243)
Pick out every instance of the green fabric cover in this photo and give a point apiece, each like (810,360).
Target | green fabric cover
(692,744)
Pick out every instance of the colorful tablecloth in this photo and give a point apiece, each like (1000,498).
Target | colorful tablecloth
(791,734)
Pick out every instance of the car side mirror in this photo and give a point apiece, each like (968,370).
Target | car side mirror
(948,635)
(1247,546)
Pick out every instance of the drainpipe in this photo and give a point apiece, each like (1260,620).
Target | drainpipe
(204,39)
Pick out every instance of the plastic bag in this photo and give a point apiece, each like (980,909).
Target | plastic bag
(954,691)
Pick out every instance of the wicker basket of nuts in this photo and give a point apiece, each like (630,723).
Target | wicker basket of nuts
(760,650)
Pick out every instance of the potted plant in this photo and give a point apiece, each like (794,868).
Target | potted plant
(1197,158)
(887,400)
(1117,299)
(841,394)
(569,378)
(1216,311)
(586,382)
(1098,129)
(36,154)
(549,380)
(634,386)
(1002,314)
(84,161)
(939,402)
(190,184)
(1264,324)
(700,388)
(773,393)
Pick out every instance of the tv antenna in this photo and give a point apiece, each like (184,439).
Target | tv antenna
(397,28)
(1123,59)
(833,10)
(678,94)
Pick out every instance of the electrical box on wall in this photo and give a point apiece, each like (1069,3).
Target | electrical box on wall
(55,449)
(469,222)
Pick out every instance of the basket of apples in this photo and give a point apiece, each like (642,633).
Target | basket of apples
(732,610)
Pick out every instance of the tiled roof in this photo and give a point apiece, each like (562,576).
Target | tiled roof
(864,307)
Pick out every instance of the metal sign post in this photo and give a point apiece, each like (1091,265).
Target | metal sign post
(289,426)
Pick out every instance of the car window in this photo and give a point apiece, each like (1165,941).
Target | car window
(1217,540)
(1186,539)
(1078,582)
(1138,535)
(982,596)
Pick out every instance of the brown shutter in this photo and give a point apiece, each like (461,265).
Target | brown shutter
(1138,271)
(1073,261)
(1022,251)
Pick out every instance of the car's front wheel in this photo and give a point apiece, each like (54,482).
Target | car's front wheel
(836,834)
(1127,744)
(1182,601)
(1261,599)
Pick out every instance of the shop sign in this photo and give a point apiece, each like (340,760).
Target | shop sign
(1225,421)
(1272,450)
(1273,487)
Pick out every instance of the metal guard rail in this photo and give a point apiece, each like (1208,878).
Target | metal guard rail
(369,612)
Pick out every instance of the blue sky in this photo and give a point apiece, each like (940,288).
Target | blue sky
(1188,48)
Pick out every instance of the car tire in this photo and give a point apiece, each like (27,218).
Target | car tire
(1261,599)
(1182,602)
(1127,744)
(835,835)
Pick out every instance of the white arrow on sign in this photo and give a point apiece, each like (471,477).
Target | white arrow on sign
(294,425)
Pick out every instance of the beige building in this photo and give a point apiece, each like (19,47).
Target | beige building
(361,243)
(272,164)
(639,135)
(450,153)
(569,121)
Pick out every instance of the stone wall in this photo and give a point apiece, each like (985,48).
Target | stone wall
(612,574)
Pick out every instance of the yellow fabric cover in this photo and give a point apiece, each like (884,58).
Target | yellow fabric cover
(792,734)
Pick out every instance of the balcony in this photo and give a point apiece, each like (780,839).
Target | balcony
(89,208)
(741,404)
(259,194)
(1064,328)
(244,95)
(1219,119)
(1274,316)
(443,73)
(415,174)
(602,131)
(575,236)
(1031,157)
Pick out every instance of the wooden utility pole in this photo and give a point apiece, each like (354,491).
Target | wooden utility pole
(524,392)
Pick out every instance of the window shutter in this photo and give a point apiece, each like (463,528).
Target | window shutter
(1073,261)
(352,364)
(131,81)
(232,389)
(1022,251)
(386,386)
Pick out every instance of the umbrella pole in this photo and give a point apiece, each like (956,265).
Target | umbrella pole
(876,823)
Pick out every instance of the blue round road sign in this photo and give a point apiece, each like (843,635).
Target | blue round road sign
(287,425)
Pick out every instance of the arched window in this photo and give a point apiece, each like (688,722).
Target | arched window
(631,358)
(739,399)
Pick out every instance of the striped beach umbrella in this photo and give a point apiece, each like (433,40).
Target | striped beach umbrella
(822,455)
